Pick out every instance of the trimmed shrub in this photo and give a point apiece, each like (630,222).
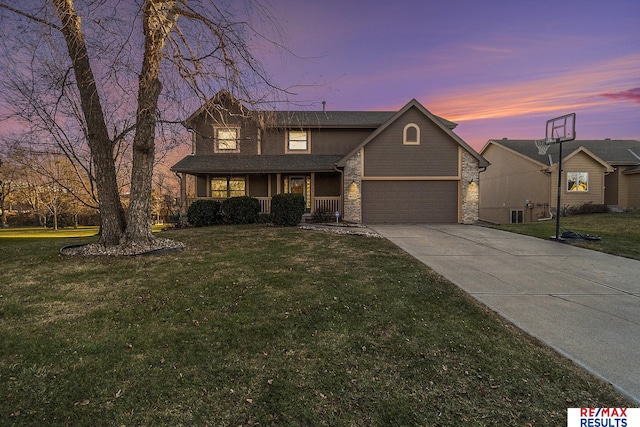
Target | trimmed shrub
(287,209)
(241,210)
(323,216)
(587,208)
(203,213)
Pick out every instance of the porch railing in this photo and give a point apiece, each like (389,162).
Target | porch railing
(321,204)
(327,204)
(265,204)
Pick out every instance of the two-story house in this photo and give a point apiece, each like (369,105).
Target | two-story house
(522,183)
(405,166)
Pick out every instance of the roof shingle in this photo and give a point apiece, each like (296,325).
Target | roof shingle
(612,151)
(236,163)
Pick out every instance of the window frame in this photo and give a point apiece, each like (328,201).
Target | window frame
(517,214)
(228,191)
(218,147)
(288,140)
(578,178)
(408,126)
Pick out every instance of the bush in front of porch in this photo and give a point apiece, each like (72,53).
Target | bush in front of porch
(240,210)
(287,209)
(203,213)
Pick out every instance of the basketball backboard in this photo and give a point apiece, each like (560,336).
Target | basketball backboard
(561,129)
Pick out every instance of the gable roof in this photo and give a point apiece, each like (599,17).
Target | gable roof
(482,162)
(582,149)
(541,162)
(335,119)
(303,119)
(217,103)
(614,152)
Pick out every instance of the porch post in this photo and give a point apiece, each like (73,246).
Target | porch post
(313,192)
(183,198)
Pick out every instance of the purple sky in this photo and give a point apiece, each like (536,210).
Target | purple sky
(498,68)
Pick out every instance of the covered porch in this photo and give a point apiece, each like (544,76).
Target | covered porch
(219,177)
(321,190)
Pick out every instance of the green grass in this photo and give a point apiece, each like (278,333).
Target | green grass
(44,232)
(620,232)
(254,325)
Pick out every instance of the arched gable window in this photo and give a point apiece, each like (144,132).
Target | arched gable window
(411,134)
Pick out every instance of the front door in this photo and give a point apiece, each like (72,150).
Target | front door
(300,185)
(297,186)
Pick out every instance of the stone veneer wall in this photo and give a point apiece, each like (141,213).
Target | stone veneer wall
(470,190)
(352,189)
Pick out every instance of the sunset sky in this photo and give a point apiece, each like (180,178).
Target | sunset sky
(497,68)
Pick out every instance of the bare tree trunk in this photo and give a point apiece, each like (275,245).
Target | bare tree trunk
(55,217)
(112,217)
(158,21)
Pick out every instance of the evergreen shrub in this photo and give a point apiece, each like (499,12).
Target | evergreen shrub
(241,210)
(203,213)
(287,209)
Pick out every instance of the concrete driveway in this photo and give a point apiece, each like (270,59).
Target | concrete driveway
(584,304)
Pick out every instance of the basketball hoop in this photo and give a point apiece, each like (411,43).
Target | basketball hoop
(542,146)
(559,130)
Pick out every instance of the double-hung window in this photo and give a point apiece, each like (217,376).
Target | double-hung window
(223,188)
(227,139)
(298,141)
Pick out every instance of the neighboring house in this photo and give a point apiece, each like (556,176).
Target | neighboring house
(403,166)
(522,185)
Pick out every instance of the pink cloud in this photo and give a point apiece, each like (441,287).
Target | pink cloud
(631,95)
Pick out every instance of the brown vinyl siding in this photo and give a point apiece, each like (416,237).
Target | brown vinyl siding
(633,183)
(201,186)
(321,141)
(327,184)
(205,135)
(436,155)
(611,182)
(508,183)
(409,202)
(258,185)
(629,190)
(580,163)
(337,141)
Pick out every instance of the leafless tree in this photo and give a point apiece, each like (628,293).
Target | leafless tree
(8,175)
(178,51)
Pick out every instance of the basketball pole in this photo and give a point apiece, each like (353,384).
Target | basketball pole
(559,190)
(564,129)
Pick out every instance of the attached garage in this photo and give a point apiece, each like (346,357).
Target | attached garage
(409,202)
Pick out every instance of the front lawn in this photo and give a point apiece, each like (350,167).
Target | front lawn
(255,325)
(620,232)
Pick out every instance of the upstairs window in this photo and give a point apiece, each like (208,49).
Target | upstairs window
(577,181)
(298,141)
(227,139)
(411,134)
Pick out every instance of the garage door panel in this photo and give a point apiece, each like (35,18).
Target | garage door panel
(410,201)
